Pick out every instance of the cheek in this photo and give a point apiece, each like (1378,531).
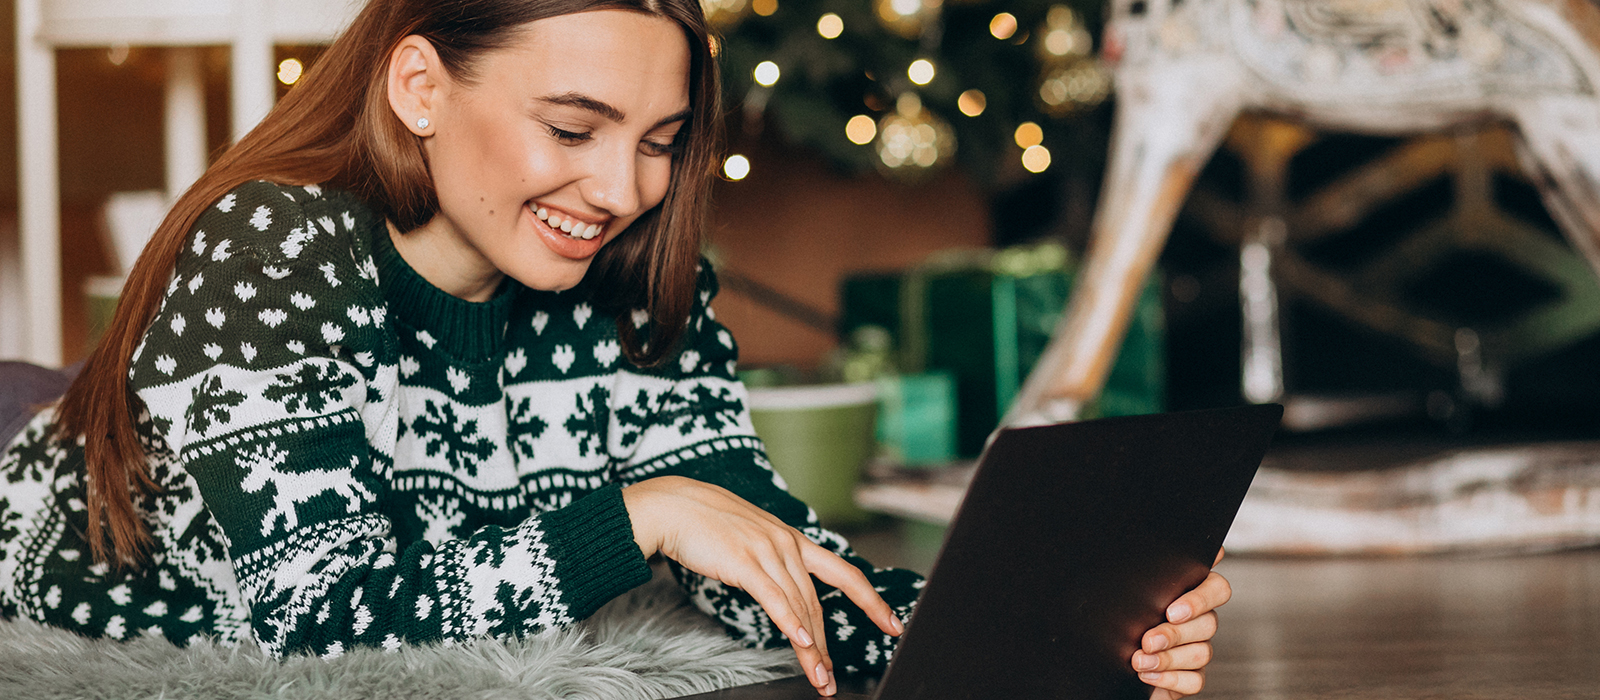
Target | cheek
(655,176)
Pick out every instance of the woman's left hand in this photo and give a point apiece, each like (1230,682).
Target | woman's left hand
(1173,655)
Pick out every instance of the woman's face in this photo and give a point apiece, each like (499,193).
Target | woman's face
(562,139)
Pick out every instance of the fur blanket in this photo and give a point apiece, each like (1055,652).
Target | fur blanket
(648,643)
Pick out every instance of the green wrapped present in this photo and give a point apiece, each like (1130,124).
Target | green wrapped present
(985,317)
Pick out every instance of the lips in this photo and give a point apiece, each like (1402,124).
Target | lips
(568,224)
(565,234)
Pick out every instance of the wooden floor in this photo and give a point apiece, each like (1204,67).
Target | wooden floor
(1357,628)
(1432,627)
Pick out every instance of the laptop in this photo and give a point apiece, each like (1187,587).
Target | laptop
(1072,540)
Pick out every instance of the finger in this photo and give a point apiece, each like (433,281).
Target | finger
(796,570)
(1167,635)
(772,599)
(835,571)
(1189,657)
(1209,595)
(1180,683)
(1221,551)
(784,570)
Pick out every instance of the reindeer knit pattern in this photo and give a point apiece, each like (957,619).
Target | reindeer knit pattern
(346,455)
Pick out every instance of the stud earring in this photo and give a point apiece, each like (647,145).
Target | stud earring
(422,122)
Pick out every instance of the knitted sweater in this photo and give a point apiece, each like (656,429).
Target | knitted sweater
(347,455)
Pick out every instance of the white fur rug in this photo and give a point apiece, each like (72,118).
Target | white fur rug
(648,643)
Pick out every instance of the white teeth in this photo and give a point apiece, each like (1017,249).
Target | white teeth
(572,227)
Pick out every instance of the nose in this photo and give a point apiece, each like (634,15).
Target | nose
(613,182)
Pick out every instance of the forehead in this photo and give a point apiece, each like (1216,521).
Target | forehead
(628,59)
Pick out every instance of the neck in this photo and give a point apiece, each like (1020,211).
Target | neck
(447,261)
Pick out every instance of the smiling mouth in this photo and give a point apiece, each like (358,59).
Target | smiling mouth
(571,228)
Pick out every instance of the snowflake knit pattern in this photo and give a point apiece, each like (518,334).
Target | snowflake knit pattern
(347,455)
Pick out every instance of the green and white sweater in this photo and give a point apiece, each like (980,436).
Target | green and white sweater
(347,455)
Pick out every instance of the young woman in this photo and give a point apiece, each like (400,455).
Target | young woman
(429,356)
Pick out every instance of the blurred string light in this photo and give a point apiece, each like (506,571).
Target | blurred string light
(906,18)
(724,14)
(1003,26)
(765,8)
(921,71)
(972,102)
(736,167)
(1028,135)
(1068,89)
(912,141)
(290,70)
(1036,158)
(1070,79)
(767,73)
(861,129)
(830,26)
(1064,34)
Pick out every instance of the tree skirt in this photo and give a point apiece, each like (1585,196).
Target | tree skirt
(648,643)
(1486,499)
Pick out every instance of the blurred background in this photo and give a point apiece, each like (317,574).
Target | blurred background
(1373,232)
(908,196)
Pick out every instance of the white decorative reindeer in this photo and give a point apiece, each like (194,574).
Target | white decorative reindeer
(292,488)
(1186,68)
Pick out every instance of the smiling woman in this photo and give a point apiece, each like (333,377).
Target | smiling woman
(429,356)
(593,149)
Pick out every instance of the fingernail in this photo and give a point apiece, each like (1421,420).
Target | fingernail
(803,637)
(832,687)
(1158,642)
(1144,662)
(1152,677)
(899,628)
(820,676)
(1178,612)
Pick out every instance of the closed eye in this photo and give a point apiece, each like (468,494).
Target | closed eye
(658,148)
(570,138)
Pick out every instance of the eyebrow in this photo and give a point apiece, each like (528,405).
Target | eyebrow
(590,104)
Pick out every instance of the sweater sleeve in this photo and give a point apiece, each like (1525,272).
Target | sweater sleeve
(701,429)
(269,372)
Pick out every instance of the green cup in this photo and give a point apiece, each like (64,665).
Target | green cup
(819,438)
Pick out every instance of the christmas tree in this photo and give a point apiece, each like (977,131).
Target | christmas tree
(912,86)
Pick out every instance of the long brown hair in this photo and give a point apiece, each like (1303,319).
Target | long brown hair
(336,128)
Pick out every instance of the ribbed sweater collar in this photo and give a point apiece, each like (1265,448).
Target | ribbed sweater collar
(471,331)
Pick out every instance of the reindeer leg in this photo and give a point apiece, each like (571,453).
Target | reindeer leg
(1561,151)
(1170,118)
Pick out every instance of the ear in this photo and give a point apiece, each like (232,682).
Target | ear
(416,82)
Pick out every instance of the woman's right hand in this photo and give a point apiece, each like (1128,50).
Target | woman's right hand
(710,531)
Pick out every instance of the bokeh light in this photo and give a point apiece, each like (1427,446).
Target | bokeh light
(1003,26)
(972,103)
(921,71)
(765,8)
(830,26)
(737,167)
(1035,159)
(1029,135)
(290,70)
(767,73)
(861,129)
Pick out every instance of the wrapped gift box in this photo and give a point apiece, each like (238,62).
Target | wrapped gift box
(984,317)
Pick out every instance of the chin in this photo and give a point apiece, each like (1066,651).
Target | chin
(548,280)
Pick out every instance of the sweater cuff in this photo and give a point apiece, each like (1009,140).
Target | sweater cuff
(596,556)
